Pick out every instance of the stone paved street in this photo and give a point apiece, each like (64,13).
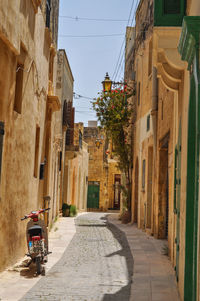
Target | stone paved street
(103,261)
(94,266)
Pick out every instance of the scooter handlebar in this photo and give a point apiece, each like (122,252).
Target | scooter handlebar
(31,215)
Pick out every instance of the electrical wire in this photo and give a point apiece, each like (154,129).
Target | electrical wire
(122,42)
(92,19)
(92,36)
(78,96)
(119,66)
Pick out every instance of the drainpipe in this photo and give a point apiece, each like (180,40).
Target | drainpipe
(154,114)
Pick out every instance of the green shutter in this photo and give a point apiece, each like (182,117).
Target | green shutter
(169,12)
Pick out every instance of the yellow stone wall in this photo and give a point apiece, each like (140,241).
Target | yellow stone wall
(20,190)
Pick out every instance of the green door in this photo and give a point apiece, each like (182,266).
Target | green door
(177,195)
(93,195)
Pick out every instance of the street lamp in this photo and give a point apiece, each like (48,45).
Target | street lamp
(107,83)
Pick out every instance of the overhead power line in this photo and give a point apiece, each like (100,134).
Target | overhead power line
(92,36)
(121,58)
(92,19)
(78,96)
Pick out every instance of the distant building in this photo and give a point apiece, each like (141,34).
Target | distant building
(104,178)
(75,184)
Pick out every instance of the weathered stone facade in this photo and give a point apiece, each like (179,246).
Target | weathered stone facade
(64,89)
(76,171)
(165,198)
(27,105)
(103,170)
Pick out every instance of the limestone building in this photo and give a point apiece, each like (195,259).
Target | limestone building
(104,177)
(76,171)
(165,198)
(28,149)
(65,128)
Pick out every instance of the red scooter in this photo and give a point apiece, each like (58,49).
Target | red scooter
(37,239)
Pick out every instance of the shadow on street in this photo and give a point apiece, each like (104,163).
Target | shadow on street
(125,292)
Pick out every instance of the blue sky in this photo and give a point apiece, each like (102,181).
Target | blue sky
(91,58)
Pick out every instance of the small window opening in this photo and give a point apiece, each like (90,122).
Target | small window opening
(37,142)
(148,123)
(19,88)
(138,94)
(143,174)
(150,58)
(172,7)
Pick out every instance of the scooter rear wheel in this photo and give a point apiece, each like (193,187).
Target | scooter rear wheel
(38,265)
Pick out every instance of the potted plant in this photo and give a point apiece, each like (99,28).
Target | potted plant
(66,209)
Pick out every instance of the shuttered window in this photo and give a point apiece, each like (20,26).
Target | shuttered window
(172,6)
(169,12)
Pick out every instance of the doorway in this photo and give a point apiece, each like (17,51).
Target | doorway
(117,193)
(163,189)
(136,192)
(93,195)
(149,188)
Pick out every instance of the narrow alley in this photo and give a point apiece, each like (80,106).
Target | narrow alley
(104,261)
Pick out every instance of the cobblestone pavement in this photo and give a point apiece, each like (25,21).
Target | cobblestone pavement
(96,266)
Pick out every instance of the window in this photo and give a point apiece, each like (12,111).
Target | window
(169,12)
(138,94)
(19,88)
(80,139)
(172,6)
(48,13)
(60,161)
(1,143)
(148,123)
(37,142)
(143,174)
(150,58)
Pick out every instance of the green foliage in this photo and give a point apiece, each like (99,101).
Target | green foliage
(65,209)
(65,206)
(72,210)
(114,112)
